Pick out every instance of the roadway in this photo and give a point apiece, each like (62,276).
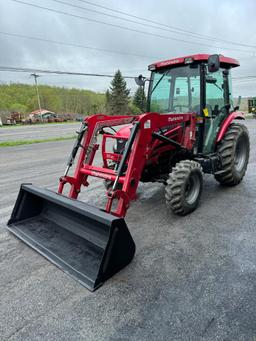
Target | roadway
(38,131)
(192,278)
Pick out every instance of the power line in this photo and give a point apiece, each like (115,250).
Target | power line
(125,28)
(73,45)
(244,77)
(163,28)
(88,47)
(21,69)
(149,20)
(58,72)
(243,81)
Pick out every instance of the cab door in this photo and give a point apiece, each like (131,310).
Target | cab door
(218,101)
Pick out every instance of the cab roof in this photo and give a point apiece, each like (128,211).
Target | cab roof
(224,61)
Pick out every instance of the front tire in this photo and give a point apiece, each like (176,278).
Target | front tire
(234,151)
(184,187)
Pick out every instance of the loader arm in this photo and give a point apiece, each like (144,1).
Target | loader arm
(89,243)
(136,153)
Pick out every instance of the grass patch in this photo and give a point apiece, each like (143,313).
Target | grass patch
(18,125)
(21,142)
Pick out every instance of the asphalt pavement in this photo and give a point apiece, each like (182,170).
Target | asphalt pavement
(192,278)
(38,131)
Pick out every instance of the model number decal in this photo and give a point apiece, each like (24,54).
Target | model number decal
(175,118)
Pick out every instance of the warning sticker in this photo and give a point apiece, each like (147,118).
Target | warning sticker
(206,112)
(147,124)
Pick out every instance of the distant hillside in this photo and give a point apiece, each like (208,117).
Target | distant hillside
(23,98)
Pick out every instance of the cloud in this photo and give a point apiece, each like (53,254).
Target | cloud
(229,20)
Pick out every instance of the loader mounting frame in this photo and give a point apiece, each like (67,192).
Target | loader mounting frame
(146,130)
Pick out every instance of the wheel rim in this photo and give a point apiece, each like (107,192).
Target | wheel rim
(240,155)
(192,189)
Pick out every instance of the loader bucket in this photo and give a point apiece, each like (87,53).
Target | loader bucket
(85,242)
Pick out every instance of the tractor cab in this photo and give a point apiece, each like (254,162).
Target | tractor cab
(199,83)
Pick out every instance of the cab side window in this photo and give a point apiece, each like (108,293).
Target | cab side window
(214,91)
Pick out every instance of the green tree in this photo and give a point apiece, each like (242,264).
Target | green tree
(107,105)
(139,99)
(133,109)
(22,97)
(18,107)
(118,96)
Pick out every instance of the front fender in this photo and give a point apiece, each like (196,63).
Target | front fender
(235,115)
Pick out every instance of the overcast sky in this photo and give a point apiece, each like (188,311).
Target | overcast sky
(230,20)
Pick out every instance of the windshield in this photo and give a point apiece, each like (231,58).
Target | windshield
(176,90)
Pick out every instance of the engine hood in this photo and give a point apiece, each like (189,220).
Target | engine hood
(124,132)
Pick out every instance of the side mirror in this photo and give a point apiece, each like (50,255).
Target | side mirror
(239,100)
(238,104)
(140,80)
(213,63)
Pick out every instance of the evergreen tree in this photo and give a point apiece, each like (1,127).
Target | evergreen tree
(118,96)
(139,99)
(107,103)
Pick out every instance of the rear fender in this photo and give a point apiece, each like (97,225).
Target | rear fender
(235,115)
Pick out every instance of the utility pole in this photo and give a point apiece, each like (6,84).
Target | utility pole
(37,92)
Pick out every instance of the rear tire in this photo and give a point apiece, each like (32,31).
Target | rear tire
(234,150)
(184,187)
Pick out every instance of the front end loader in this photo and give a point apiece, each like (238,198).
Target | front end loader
(188,130)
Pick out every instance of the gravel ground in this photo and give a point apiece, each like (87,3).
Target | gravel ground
(192,278)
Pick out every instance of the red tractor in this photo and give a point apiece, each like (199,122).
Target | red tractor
(191,128)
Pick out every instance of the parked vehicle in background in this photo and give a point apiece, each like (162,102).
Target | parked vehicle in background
(10,117)
(42,115)
(252,106)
